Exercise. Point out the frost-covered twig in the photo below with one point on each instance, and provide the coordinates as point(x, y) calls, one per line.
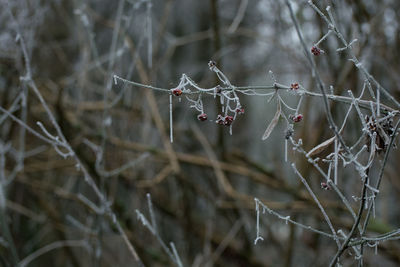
point(344, 245)
point(332, 27)
point(326, 217)
point(318, 79)
point(297, 146)
point(287, 219)
point(62, 141)
point(152, 227)
point(380, 175)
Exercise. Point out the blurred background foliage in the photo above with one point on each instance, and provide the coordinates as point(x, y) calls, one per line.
point(203, 184)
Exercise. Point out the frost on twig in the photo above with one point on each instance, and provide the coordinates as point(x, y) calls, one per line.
point(262, 208)
point(152, 227)
point(229, 99)
point(377, 133)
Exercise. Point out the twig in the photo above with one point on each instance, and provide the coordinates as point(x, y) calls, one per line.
point(344, 246)
point(286, 219)
point(52, 246)
point(64, 143)
point(328, 221)
point(318, 79)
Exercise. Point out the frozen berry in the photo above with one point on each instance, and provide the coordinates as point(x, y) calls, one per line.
point(177, 92)
point(297, 118)
point(240, 110)
point(202, 117)
point(294, 86)
point(228, 120)
point(316, 51)
point(325, 186)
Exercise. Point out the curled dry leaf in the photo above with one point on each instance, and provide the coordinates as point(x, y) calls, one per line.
point(273, 123)
point(321, 147)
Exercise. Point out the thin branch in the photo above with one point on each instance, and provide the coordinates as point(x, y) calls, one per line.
point(53, 246)
point(344, 246)
point(328, 221)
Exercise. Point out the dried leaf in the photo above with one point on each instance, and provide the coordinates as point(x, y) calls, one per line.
point(321, 147)
point(273, 123)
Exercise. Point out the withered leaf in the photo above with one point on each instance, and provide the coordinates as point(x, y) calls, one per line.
point(321, 147)
point(273, 123)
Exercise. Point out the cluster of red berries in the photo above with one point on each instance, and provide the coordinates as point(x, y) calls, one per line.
point(224, 120)
point(294, 86)
point(296, 118)
point(221, 120)
point(316, 51)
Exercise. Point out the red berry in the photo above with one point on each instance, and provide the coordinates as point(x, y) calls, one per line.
point(325, 186)
point(228, 120)
point(240, 110)
point(316, 51)
point(202, 117)
point(297, 118)
point(177, 92)
point(294, 86)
